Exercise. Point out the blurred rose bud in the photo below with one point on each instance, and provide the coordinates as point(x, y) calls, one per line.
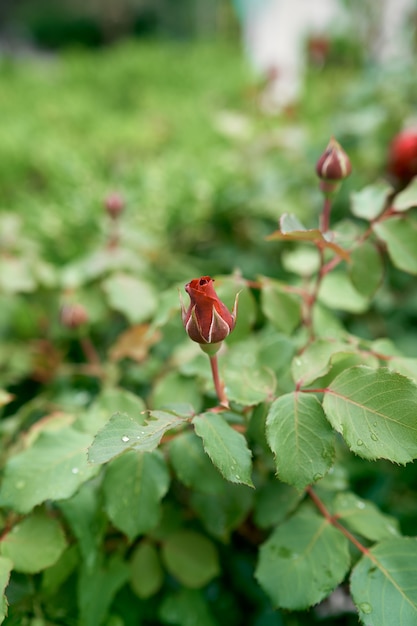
point(402, 156)
point(207, 320)
point(114, 204)
point(73, 315)
point(334, 164)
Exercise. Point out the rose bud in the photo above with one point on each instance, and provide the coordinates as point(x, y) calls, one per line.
point(402, 157)
point(73, 315)
point(334, 164)
point(207, 320)
point(114, 204)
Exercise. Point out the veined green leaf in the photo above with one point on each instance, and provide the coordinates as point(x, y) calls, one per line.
point(375, 411)
point(400, 236)
point(363, 517)
point(226, 447)
point(300, 438)
point(133, 487)
point(124, 433)
point(52, 468)
point(303, 560)
point(383, 583)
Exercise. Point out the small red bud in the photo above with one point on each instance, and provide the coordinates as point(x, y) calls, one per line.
point(114, 204)
point(402, 156)
point(334, 164)
point(73, 315)
point(207, 320)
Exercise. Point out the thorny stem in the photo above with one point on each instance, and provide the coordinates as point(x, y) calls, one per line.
point(218, 384)
point(332, 519)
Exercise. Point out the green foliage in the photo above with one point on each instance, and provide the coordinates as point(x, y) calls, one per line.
point(136, 487)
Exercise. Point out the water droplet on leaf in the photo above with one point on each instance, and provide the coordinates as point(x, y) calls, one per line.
point(20, 484)
point(75, 470)
point(374, 437)
point(317, 477)
point(365, 607)
point(359, 442)
point(125, 438)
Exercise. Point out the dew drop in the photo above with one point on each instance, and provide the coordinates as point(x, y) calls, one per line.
point(375, 424)
point(20, 484)
point(317, 477)
point(360, 505)
point(75, 470)
point(374, 437)
point(366, 608)
point(125, 438)
point(359, 442)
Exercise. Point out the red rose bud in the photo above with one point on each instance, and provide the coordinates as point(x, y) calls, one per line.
point(334, 164)
point(402, 156)
point(73, 315)
point(207, 320)
point(114, 204)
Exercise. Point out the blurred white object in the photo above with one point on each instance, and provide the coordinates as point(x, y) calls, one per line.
point(275, 32)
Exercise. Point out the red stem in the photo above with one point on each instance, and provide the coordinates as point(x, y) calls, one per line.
point(332, 519)
point(218, 384)
point(325, 216)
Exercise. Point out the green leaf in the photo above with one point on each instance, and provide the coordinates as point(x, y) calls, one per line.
point(337, 292)
point(34, 544)
point(133, 297)
point(383, 583)
point(374, 410)
point(146, 573)
point(53, 468)
point(186, 607)
point(366, 268)
point(192, 465)
point(84, 515)
point(6, 566)
point(291, 229)
point(225, 510)
point(124, 433)
point(364, 518)
point(315, 360)
point(133, 487)
point(97, 587)
point(172, 390)
point(407, 198)
point(407, 366)
point(247, 385)
point(226, 447)
point(302, 561)
point(400, 236)
point(282, 309)
point(110, 401)
point(273, 502)
point(370, 201)
point(300, 438)
point(191, 558)
point(55, 576)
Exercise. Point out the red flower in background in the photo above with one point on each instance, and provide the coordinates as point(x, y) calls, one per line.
point(207, 319)
point(402, 156)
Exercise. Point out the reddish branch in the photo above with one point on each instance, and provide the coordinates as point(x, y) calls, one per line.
point(332, 519)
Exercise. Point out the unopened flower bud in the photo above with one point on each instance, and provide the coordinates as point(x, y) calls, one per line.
point(334, 164)
point(402, 156)
point(73, 315)
point(114, 204)
point(207, 320)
